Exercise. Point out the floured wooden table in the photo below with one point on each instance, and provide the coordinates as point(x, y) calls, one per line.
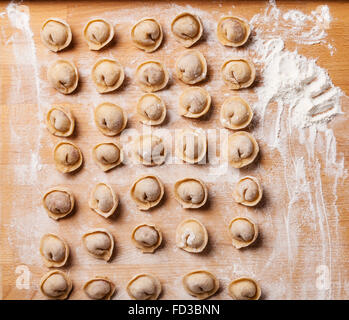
point(302, 251)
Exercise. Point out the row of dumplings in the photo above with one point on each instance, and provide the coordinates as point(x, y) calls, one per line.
point(147, 193)
point(151, 76)
point(146, 34)
point(200, 284)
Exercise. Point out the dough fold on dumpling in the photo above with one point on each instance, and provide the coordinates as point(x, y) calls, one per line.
point(248, 191)
point(233, 31)
point(149, 150)
point(147, 34)
point(151, 109)
point(244, 289)
point(67, 157)
point(235, 113)
point(194, 102)
point(98, 33)
point(144, 287)
point(55, 34)
point(63, 76)
point(187, 28)
point(56, 285)
point(107, 155)
point(191, 236)
point(103, 200)
point(200, 284)
point(99, 288)
point(99, 243)
point(238, 73)
point(60, 121)
point(54, 250)
point(191, 67)
point(243, 232)
point(110, 119)
point(58, 202)
point(151, 76)
point(191, 146)
point(146, 237)
point(190, 193)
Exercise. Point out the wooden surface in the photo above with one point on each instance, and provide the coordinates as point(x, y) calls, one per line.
point(292, 248)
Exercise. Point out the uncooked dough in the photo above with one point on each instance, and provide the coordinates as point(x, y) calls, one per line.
point(56, 285)
point(55, 34)
point(107, 155)
point(149, 150)
point(151, 109)
point(248, 191)
point(54, 250)
point(147, 34)
point(243, 232)
point(103, 200)
point(63, 76)
point(191, 236)
point(200, 284)
point(190, 193)
point(99, 243)
point(194, 102)
point(107, 75)
point(191, 67)
point(235, 113)
point(99, 288)
point(110, 119)
point(242, 149)
point(144, 287)
point(67, 157)
point(98, 33)
point(146, 237)
point(58, 202)
point(60, 121)
point(233, 31)
point(147, 192)
point(151, 76)
point(244, 289)
point(187, 28)
point(238, 73)
point(191, 146)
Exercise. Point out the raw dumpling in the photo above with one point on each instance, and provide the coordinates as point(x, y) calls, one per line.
point(107, 74)
point(146, 237)
point(60, 122)
point(55, 34)
point(150, 150)
point(144, 287)
point(147, 34)
point(187, 29)
point(243, 232)
point(151, 76)
point(233, 31)
point(248, 191)
point(201, 284)
point(67, 157)
point(190, 193)
point(242, 149)
point(191, 146)
point(54, 250)
point(98, 33)
point(244, 289)
point(238, 73)
point(103, 200)
point(151, 109)
point(99, 288)
point(99, 243)
point(147, 192)
point(56, 285)
point(194, 102)
point(191, 236)
point(191, 67)
point(63, 76)
point(235, 113)
point(107, 155)
point(110, 119)
point(58, 202)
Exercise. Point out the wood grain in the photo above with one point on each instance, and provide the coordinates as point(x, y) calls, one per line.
point(23, 135)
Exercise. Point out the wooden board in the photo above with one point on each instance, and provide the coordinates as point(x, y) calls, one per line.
point(296, 248)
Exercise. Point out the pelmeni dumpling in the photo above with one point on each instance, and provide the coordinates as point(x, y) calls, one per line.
point(107, 155)
point(146, 237)
point(147, 34)
point(190, 193)
point(144, 287)
point(238, 73)
point(233, 31)
point(63, 76)
point(99, 288)
point(99, 243)
point(107, 75)
point(243, 232)
point(98, 33)
point(149, 150)
point(187, 28)
point(67, 157)
point(110, 119)
point(151, 109)
point(58, 202)
point(244, 289)
point(151, 76)
point(191, 67)
point(235, 113)
point(60, 121)
point(191, 146)
point(55, 34)
point(103, 200)
point(147, 192)
point(191, 236)
point(54, 250)
point(56, 285)
point(200, 284)
point(248, 191)
point(242, 149)
point(194, 102)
